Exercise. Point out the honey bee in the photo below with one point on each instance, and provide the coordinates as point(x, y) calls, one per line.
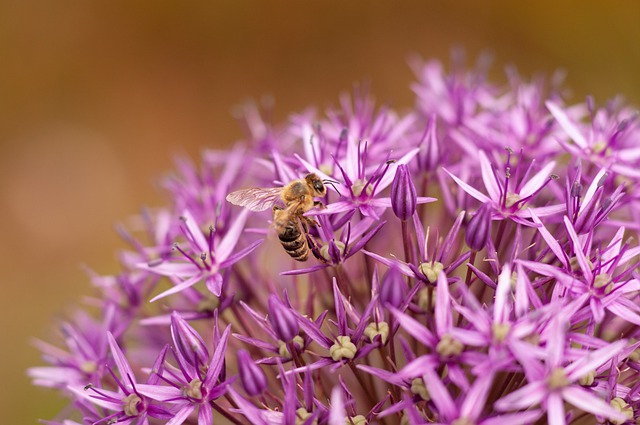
point(291, 225)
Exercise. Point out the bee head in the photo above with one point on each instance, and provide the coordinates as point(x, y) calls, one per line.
point(316, 184)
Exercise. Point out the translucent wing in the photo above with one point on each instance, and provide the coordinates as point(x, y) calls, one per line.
point(255, 198)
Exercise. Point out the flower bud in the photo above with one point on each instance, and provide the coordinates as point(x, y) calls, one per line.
point(282, 319)
point(403, 194)
point(393, 288)
point(188, 342)
point(252, 377)
point(479, 228)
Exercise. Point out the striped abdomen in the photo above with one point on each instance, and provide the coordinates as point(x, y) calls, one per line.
point(294, 242)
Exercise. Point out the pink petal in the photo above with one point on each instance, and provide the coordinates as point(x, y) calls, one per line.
point(182, 415)
point(179, 287)
point(577, 249)
point(232, 237)
point(501, 309)
point(566, 124)
point(594, 360)
point(550, 240)
point(488, 176)
point(523, 398)
point(555, 410)
point(537, 181)
point(442, 312)
point(470, 190)
point(193, 231)
point(586, 401)
point(121, 361)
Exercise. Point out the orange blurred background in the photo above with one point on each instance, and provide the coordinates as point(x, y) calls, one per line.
point(97, 97)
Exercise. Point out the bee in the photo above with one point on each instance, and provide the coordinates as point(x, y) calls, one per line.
point(290, 224)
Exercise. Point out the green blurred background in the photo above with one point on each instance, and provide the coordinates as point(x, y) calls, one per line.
point(96, 97)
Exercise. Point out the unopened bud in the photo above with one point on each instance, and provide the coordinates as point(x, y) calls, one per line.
point(393, 288)
point(403, 194)
point(282, 319)
point(479, 228)
point(188, 342)
point(252, 377)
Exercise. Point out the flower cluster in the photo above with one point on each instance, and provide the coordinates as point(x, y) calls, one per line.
point(474, 261)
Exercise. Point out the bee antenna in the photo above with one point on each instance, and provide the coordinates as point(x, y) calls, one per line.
point(331, 183)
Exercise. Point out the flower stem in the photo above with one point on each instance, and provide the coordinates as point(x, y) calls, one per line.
point(407, 242)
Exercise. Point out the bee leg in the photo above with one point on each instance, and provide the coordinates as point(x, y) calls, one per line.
point(315, 248)
point(310, 221)
point(319, 205)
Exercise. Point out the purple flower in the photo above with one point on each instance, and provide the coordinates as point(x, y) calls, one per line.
point(452, 279)
point(189, 388)
point(128, 405)
point(507, 195)
point(554, 384)
point(203, 258)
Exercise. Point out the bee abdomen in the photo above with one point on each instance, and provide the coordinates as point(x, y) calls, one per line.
point(290, 233)
point(294, 242)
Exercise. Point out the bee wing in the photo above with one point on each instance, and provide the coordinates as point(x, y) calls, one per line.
point(255, 198)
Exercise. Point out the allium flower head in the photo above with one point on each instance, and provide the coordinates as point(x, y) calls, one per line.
point(461, 269)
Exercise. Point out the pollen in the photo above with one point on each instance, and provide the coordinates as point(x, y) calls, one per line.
point(358, 187)
point(324, 250)
point(463, 421)
point(603, 281)
point(380, 328)
point(130, 404)
point(588, 379)
point(500, 331)
point(194, 389)
point(431, 270)
point(356, 420)
point(302, 415)
point(449, 347)
point(89, 367)
point(624, 408)
point(557, 379)
point(601, 147)
point(283, 350)
point(511, 199)
point(418, 388)
point(343, 349)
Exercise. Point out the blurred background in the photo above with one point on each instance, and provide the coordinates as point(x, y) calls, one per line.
point(97, 97)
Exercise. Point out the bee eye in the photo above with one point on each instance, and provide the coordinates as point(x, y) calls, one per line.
point(318, 186)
